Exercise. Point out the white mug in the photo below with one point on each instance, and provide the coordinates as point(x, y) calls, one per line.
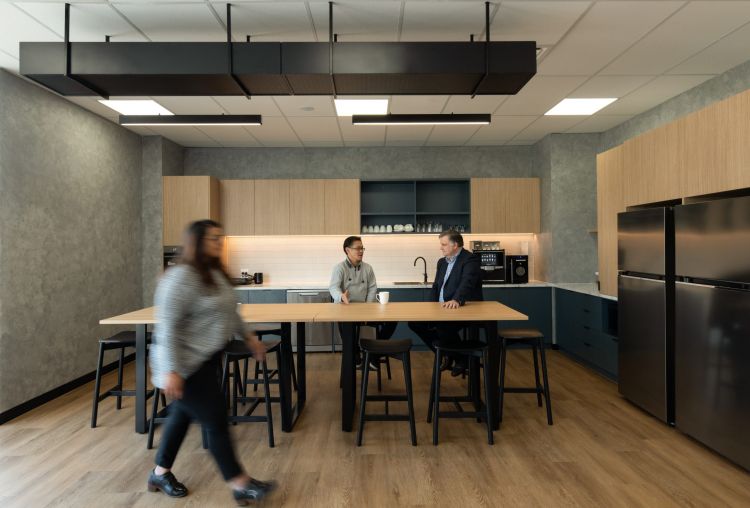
point(383, 297)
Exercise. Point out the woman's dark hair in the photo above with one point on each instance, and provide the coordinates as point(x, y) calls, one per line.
point(194, 255)
point(350, 241)
point(453, 236)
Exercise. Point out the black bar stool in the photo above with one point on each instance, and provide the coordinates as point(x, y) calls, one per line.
point(263, 330)
point(235, 352)
point(473, 351)
point(160, 416)
point(119, 341)
point(535, 339)
point(377, 361)
point(398, 349)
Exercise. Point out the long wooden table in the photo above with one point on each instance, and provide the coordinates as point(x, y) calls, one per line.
point(485, 314)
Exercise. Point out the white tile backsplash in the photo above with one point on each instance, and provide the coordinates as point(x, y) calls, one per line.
point(284, 259)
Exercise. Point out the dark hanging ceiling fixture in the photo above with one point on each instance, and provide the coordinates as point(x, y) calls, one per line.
point(273, 68)
point(174, 120)
point(440, 119)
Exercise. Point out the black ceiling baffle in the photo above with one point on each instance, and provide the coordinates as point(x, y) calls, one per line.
point(486, 48)
point(274, 68)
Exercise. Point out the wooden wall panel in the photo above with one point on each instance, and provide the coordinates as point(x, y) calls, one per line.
point(238, 207)
point(271, 207)
point(342, 207)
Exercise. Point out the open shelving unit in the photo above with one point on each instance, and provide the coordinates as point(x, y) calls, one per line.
point(416, 202)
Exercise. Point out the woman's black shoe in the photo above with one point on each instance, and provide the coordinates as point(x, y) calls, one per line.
point(255, 490)
point(167, 483)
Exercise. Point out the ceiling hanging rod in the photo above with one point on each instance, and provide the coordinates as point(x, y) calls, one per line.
point(330, 48)
point(94, 90)
point(230, 50)
point(486, 49)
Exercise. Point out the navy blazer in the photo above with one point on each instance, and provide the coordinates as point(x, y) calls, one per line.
point(464, 283)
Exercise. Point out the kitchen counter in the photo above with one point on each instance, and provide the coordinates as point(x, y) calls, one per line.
point(588, 288)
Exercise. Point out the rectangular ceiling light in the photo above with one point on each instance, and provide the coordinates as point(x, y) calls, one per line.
point(577, 107)
point(175, 120)
point(349, 107)
point(136, 107)
point(440, 119)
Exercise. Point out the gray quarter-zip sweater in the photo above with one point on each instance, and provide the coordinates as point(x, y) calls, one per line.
point(194, 322)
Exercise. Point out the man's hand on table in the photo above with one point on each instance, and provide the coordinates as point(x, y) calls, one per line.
point(345, 297)
point(451, 304)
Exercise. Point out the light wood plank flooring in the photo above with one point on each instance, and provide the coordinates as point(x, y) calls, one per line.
point(602, 451)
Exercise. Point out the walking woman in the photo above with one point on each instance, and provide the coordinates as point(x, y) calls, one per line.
point(196, 317)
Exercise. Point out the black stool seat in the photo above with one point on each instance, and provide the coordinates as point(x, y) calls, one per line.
point(398, 349)
point(385, 347)
point(534, 338)
point(239, 348)
point(473, 350)
point(119, 341)
point(520, 333)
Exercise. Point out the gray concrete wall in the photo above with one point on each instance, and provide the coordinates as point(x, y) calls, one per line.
point(70, 206)
point(725, 85)
point(160, 157)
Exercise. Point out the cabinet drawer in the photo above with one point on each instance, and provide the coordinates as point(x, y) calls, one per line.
point(608, 358)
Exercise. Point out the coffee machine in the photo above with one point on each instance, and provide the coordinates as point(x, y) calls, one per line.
point(491, 260)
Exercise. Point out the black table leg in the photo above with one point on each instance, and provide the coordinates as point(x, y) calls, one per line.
point(349, 377)
point(141, 424)
point(493, 364)
point(285, 378)
point(301, 367)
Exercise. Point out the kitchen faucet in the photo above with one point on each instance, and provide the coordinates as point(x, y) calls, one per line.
point(424, 281)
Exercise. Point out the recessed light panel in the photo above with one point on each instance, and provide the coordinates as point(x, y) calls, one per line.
point(137, 107)
point(349, 107)
point(579, 107)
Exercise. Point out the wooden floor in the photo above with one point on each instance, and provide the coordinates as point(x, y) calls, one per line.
point(601, 451)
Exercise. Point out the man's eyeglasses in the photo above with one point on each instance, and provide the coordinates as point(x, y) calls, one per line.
point(361, 249)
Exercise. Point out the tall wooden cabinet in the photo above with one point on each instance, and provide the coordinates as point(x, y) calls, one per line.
point(186, 199)
point(505, 205)
point(610, 202)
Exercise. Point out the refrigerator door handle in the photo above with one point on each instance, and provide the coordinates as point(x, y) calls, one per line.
point(683, 283)
point(642, 278)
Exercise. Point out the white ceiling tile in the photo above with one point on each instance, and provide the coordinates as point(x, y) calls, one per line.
point(544, 22)
point(298, 105)
point(451, 135)
point(269, 21)
point(358, 21)
point(548, 125)
point(190, 105)
point(407, 135)
point(442, 21)
point(358, 134)
point(653, 94)
point(500, 130)
point(185, 136)
point(606, 30)
point(479, 104)
point(19, 26)
point(312, 130)
point(93, 105)
point(89, 22)
point(721, 56)
point(231, 135)
point(599, 123)
point(539, 95)
point(275, 131)
point(181, 22)
point(686, 32)
point(8, 62)
point(257, 105)
point(609, 86)
point(417, 104)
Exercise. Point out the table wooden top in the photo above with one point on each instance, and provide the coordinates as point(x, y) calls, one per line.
point(356, 312)
point(417, 311)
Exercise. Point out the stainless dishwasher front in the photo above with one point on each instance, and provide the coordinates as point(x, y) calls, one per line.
point(318, 336)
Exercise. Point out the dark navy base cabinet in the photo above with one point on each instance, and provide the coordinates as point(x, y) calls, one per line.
point(535, 302)
point(587, 329)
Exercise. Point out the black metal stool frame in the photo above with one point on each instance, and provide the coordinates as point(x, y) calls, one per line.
point(536, 343)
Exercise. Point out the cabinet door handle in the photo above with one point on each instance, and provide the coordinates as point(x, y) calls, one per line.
point(587, 344)
point(615, 340)
point(586, 311)
point(586, 327)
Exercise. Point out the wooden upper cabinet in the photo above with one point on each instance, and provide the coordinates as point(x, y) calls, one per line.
point(186, 199)
point(505, 205)
point(271, 207)
point(306, 207)
point(342, 207)
point(238, 207)
point(610, 201)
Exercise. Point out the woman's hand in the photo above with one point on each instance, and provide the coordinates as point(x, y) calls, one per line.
point(257, 347)
point(173, 385)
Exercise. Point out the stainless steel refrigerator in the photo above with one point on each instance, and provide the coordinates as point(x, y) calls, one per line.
point(712, 341)
point(645, 258)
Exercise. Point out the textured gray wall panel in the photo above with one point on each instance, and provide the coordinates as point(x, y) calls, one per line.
point(70, 223)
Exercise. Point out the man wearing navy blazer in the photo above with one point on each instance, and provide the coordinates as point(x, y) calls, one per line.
point(458, 280)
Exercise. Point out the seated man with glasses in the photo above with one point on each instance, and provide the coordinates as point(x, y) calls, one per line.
point(353, 280)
